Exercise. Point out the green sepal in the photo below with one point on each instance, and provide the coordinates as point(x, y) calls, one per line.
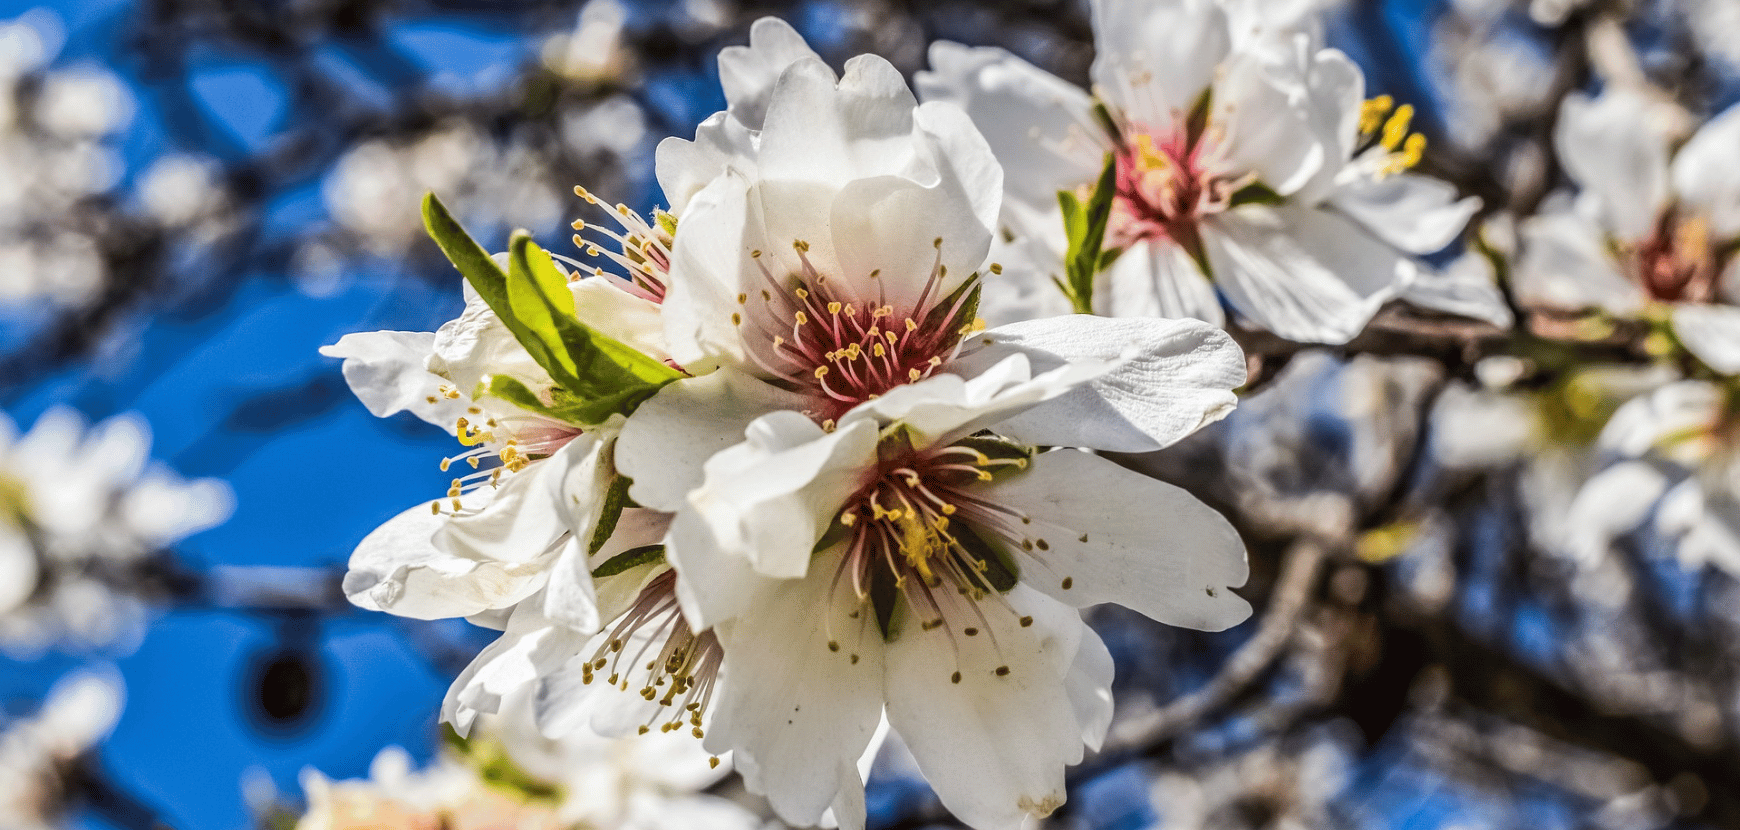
point(615, 499)
point(511, 390)
point(629, 559)
point(1255, 193)
point(1000, 570)
point(884, 596)
point(968, 297)
point(1084, 224)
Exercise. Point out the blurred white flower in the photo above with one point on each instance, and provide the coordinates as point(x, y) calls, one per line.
point(1653, 229)
point(78, 509)
point(593, 51)
point(1250, 175)
point(37, 753)
point(1676, 464)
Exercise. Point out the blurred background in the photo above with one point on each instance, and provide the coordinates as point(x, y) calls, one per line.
point(197, 194)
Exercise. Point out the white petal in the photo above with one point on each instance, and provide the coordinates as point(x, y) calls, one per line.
point(711, 265)
point(684, 167)
point(1612, 503)
point(385, 369)
point(827, 131)
point(1336, 89)
point(477, 345)
point(601, 304)
point(888, 226)
point(637, 527)
point(1155, 59)
point(769, 499)
point(748, 73)
point(1306, 275)
point(1417, 214)
point(569, 596)
point(1268, 130)
point(1172, 377)
point(799, 712)
point(1712, 333)
point(665, 443)
point(1674, 410)
point(993, 746)
point(1467, 287)
point(723, 584)
point(18, 569)
point(1089, 685)
point(1158, 278)
point(397, 569)
point(946, 405)
point(1565, 265)
point(1035, 122)
point(526, 516)
point(1705, 176)
point(530, 648)
point(1615, 146)
point(1149, 546)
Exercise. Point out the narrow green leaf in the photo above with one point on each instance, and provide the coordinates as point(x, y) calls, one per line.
point(615, 498)
point(1085, 228)
point(473, 262)
point(631, 558)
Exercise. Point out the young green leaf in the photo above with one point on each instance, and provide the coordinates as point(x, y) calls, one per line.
point(1085, 225)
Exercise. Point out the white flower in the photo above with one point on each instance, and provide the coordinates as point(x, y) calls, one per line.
point(524, 513)
point(37, 754)
point(1652, 228)
point(79, 510)
point(802, 547)
point(1253, 176)
point(1677, 452)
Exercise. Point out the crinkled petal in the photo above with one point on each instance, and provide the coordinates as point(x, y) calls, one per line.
point(1089, 684)
point(711, 265)
point(829, 131)
point(528, 513)
point(797, 710)
point(1267, 129)
point(530, 648)
point(398, 569)
point(946, 405)
point(1306, 275)
point(685, 167)
point(1105, 534)
point(1712, 333)
point(1172, 377)
point(993, 745)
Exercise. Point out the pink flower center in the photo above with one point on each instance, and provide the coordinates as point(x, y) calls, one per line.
point(830, 342)
point(1679, 262)
point(1167, 183)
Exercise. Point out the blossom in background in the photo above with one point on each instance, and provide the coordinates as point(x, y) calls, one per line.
point(1653, 230)
point(80, 513)
point(38, 754)
point(509, 775)
point(1674, 462)
point(1243, 173)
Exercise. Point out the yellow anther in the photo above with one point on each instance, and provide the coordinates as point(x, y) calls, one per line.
point(821, 372)
point(1372, 112)
point(742, 298)
point(1396, 129)
point(937, 243)
point(435, 508)
point(801, 318)
point(912, 375)
point(430, 398)
point(834, 308)
point(578, 224)
point(803, 293)
point(847, 518)
point(445, 463)
point(878, 351)
point(997, 268)
point(800, 246)
point(736, 319)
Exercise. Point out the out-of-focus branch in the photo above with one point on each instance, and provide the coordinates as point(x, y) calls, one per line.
point(1292, 595)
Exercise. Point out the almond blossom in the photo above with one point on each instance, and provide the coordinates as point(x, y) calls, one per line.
point(1654, 229)
point(1244, 174)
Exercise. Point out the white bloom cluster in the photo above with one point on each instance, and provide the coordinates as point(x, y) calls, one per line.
point(37, 753)
point(78, 511)
point(54, 154)
point(765, 475)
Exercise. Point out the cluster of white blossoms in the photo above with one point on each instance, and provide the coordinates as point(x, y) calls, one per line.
point(755, 470)
point(80, 510)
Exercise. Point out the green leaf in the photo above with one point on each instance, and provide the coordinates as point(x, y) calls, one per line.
point(473, 262)
point(999, 569)
point(615, 498)
point(1085, 225)
point(628, 559)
